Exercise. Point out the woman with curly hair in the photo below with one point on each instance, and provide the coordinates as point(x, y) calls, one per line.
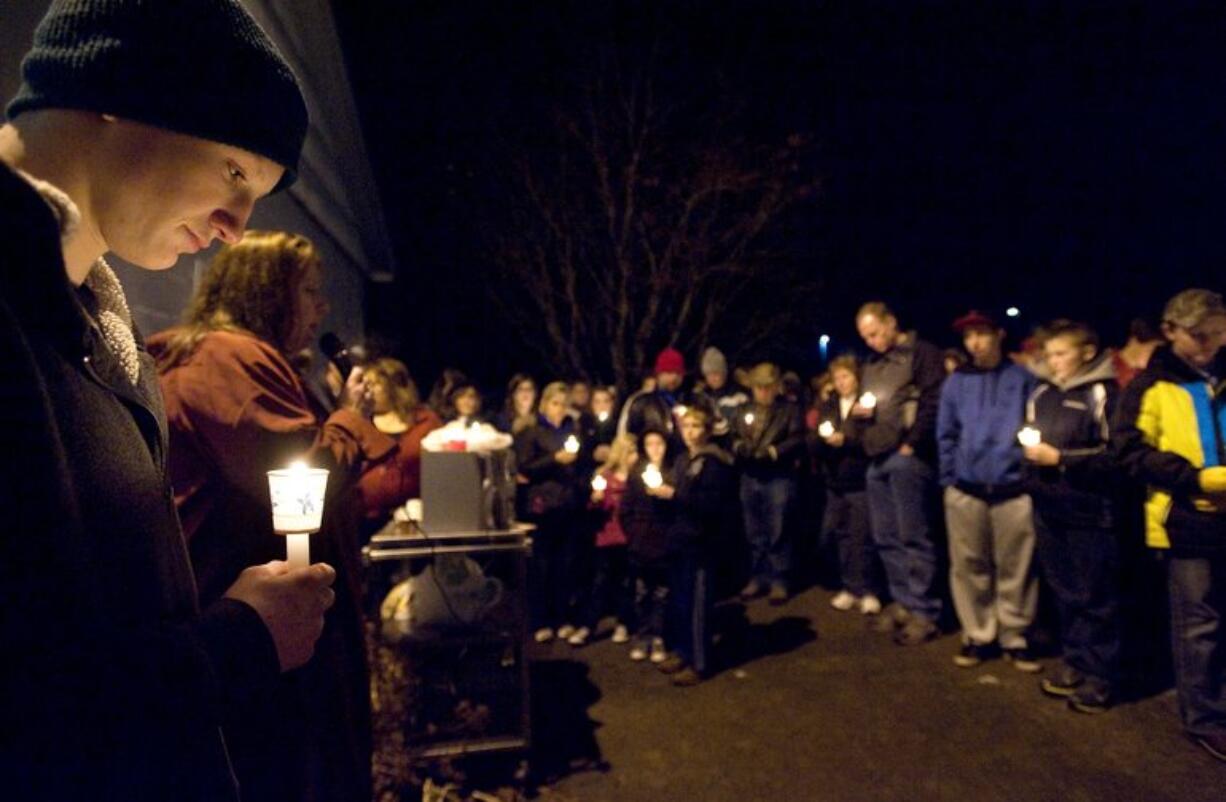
point(236, 409)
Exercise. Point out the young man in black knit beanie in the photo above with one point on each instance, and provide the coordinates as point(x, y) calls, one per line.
point(147, 129)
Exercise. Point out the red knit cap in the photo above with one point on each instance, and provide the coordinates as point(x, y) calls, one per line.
point(670, 360)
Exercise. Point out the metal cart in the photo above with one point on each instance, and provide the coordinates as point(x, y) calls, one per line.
point(456, 684)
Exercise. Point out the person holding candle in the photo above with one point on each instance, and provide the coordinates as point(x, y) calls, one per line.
point(699, 487)
point(988, 513)
point(768, 442)
point(902, 380)
point(646, 520)
point(611, 589)
point(116, 679)
point(399, 413)
point(604, 413)
point(1167, 434)
point(658, 407)
point(465, 405)
point(553, 500)
point(845, 518)
point(236, 410)
point(1071, 479)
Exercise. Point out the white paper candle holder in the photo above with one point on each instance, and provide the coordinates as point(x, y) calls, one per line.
point(297, 495)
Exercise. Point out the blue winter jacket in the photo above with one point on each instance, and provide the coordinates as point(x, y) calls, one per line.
point(977, 424)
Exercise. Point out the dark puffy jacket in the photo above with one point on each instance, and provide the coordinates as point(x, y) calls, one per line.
point(552, 487)
point(844, 467)
point(704, 486)
point(646, 521)
point(1075, 418)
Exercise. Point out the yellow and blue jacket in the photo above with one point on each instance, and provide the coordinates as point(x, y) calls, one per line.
point(1169, 425)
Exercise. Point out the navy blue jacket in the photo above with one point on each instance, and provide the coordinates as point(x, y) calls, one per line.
point(978, 419)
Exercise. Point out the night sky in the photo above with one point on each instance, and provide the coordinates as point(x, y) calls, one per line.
point(1066, 158)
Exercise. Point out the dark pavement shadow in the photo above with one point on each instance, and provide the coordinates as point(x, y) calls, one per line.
point(563, 734)
point(741, 642)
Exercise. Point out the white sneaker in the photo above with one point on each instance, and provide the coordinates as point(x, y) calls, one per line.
point(870, 604)
point(658, 652)
point(621, 634)
point(565, 631)
point(843, 601)
point(543, 635)
point(638, 652)
point(579, 636)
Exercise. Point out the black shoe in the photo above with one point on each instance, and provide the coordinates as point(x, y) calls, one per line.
point(671, 664)
point(778, 595)
point(687, 678)
point(1064, 684)
point(972, 654)
point(915, 631)
point(752, 590)
point(1214, 744)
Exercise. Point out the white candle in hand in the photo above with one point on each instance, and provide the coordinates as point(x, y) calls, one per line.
point(1029, 436)
point(652, 477)
point(297, 495)
point(602, 416)
point(599, 483)
point(826, 429)
point(749, 419)
point(868, 401)
point(571, 446)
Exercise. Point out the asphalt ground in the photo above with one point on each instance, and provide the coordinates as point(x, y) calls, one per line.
point(808, 704)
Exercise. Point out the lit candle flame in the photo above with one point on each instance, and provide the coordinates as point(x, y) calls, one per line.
point(826, 429)
point(868, 401)
point(652, 477)
point(749, 419)
point(1029, 436)
point(599, 483)
point(602, 416)
point(571, 445)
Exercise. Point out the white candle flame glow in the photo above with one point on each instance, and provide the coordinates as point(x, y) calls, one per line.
point(868, 401)
point(571, 445)
point(602, 416)
point(1029, 436)
point(599, 483)
point(749, 419)
point(826, 429)
point(652, 477)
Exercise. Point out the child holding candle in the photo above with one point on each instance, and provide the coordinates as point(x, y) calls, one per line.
point(699, 489)
point(645, 520)
point(844, 465)
point(611, 588)
point(1070, 479)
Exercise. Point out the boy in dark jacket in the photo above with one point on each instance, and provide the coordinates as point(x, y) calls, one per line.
point(768, 442)
point(1069, 476)
point(699, 488)
point(1168, 433)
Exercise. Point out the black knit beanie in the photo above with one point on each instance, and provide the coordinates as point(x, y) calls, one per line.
point(198, 67)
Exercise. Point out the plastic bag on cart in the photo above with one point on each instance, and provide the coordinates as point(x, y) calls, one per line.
point(450, 593)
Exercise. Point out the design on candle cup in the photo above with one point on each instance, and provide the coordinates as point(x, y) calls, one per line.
point(826, 428)
point(599, 483)
point(652, 477)
point(1029, 436)
point(297, 496)
point(571, 446)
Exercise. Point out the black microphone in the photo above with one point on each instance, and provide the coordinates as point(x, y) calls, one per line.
point(337, 353)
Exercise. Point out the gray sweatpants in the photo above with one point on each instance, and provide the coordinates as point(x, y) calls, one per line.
point(991, 576)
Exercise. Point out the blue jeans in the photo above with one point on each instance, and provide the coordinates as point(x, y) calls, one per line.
point(845, 521)
point(765, 504)
point(1198, 592)
point(900, 489)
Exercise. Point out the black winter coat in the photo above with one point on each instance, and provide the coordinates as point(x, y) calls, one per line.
point(704, 489)
point(113, 680)
point(843, 467)
point(768, 442)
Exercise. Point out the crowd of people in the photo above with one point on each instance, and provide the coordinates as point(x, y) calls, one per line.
point(159, 648)
point(935, 487)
